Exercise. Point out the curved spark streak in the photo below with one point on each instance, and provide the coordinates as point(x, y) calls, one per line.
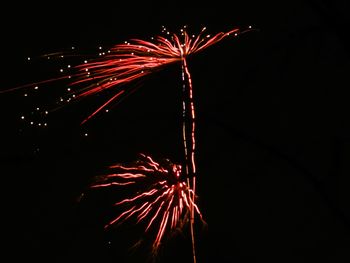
point(126, 175)
point(149, 193)
point(112, 183)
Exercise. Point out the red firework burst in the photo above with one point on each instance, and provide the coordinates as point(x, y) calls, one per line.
point(126, 62)
point(162, 201)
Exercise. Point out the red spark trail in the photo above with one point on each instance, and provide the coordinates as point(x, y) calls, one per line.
point(103, 105)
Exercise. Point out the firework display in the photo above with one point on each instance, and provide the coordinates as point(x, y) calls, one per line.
point(165, 198)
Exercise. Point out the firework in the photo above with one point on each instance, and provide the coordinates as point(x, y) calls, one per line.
point(162, 200)
point(169, 194)
point(127, 62)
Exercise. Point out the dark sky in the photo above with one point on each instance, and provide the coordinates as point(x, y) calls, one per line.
point(272, 120)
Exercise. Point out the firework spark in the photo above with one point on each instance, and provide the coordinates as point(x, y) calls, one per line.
point(162, 202)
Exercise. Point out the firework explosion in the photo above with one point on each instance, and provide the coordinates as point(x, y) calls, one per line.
point(163, 199)
point(169, 195)
point(126, 62)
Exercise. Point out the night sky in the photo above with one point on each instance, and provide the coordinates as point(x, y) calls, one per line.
point(273, 132)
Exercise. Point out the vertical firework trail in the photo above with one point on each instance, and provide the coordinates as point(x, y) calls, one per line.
point(127, 62)
point(189, 142)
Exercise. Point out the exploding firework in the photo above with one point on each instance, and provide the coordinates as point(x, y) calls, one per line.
point(126, 62)
point(170, 194)
point(162, 199)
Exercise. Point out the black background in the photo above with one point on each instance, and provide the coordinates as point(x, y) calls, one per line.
point(272, 121)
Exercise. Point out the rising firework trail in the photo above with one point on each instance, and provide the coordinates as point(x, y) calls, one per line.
point(135, 59)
